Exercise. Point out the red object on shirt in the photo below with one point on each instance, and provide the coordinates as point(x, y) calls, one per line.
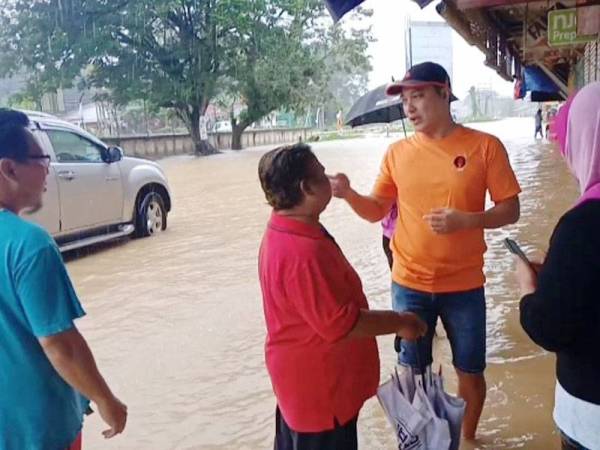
point(76, 445)
point(312, 297)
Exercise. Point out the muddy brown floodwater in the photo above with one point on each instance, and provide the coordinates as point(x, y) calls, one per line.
point(176, 321)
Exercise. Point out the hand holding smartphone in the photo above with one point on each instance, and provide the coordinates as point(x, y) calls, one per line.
point(514, 248)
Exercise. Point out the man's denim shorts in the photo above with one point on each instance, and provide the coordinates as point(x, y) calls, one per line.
point(463, 316)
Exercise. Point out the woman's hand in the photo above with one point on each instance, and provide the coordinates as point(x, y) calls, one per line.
point(527, 276)
point(412, 327)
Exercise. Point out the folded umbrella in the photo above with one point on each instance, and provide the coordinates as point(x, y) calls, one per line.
point(422, 414)
point(447, 407)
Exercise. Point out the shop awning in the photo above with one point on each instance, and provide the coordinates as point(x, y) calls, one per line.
point(542, 88)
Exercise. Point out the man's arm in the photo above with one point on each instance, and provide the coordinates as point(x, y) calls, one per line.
point(448, 220)
point(70, 355)
point(502, 213)
point(370, 207)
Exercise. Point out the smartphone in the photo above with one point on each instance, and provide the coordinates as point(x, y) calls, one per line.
point(514, 248)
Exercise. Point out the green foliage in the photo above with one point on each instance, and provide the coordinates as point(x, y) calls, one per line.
point(182, 54)
point(23, 101)
point(292, 59)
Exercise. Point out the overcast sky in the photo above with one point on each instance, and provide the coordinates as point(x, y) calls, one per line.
point(387, 53)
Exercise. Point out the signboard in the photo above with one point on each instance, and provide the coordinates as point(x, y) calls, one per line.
point(472, 4)
point(562, 29)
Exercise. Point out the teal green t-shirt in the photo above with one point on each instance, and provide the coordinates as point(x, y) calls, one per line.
point(38, 409)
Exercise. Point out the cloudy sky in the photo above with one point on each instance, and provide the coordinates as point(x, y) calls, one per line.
point(388, 21)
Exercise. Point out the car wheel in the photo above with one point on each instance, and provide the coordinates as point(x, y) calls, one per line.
point(151, 215)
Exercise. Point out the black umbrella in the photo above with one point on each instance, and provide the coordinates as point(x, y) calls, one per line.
point(338, 8)
point(375, 107)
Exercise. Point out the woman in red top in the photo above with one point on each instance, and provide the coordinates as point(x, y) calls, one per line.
point(320, 350)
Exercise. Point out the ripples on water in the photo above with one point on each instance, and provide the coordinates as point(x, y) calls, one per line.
point(176, 322)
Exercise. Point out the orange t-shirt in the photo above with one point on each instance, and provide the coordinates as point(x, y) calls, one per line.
point(455, 172)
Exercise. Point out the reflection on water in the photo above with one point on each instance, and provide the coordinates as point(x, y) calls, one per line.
point(176, 321)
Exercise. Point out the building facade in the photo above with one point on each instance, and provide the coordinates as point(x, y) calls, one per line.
point(429, 41)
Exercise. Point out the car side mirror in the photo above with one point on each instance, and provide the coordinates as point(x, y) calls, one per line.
point(114, 154)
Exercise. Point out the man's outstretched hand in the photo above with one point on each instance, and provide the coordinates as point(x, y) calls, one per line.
point(340, 185)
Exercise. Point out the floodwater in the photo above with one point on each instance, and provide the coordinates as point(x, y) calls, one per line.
point(176, 322)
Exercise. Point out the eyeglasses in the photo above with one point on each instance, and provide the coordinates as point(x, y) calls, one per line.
point(42, 160)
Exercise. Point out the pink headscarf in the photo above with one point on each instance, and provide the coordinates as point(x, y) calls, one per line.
point(558, 125)
point(577, 129)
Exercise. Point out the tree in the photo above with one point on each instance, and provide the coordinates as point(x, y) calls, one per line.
point(177, 54)
point(349, 66)
point(164, 51)
point(285, 55)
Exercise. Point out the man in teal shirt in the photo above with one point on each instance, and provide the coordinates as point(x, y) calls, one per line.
point(47, 371)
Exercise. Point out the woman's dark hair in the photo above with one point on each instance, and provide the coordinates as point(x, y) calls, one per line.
point(14, 143)
point(281, 171)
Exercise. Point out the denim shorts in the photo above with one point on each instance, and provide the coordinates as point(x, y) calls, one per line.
point(463, 316)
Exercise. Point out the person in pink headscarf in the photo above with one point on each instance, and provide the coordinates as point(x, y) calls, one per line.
point(560, 305)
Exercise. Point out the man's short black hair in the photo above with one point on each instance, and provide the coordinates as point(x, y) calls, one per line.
point(14, 143)
point(281, 171)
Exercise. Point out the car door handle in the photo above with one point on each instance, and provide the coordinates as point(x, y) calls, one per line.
point(113, 178)
point(66, 175)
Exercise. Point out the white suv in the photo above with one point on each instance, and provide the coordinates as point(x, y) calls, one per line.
point(94, 193)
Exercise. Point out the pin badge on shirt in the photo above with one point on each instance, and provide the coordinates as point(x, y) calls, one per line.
point(460, 162)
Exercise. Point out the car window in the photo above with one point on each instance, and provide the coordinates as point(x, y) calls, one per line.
point(70, 147)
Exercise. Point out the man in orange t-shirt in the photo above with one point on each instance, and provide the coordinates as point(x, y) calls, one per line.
point(439, 178)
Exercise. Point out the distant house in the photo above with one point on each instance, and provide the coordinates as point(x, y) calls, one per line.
point(64, 101)
point(85, 116)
